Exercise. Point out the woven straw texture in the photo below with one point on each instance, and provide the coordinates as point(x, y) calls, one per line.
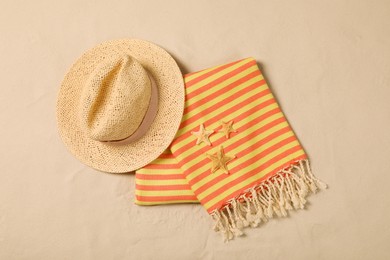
point(115, 99)
point(119, 158)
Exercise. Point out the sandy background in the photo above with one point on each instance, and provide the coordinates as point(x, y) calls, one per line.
point(327, 62)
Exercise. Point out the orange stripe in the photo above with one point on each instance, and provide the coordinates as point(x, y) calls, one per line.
point(207, 111)
point(242, 166)
point(242, 153)
point(240, 191)
point(236, 120)
point(159, 177)
point(162, 166)
point(166, 156)
point(165, 198)
point(208, 74)
point(229, 99)
point(234, 145)
point(206, 173)
point(221, 91)
point(241, 129)
point(163, 187)
point(251, 173)
point(221, 79)
point(226, 112)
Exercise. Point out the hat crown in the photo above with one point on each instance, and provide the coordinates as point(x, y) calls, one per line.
point(115, 99)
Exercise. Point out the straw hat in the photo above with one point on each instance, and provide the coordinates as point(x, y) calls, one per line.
point(120, 105)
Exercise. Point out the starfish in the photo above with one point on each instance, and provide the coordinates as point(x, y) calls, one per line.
point(203, 135)
point(227, 128)
point(219, 161)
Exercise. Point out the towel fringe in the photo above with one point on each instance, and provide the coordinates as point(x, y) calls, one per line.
point(275, 196)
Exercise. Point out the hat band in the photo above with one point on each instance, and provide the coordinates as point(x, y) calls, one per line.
point(148, 119)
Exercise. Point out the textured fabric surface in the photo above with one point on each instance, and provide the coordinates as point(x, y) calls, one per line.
point(162, 182)
point(263, 142)
point(237, 151)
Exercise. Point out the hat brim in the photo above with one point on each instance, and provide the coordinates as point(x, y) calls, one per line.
point(117, 158)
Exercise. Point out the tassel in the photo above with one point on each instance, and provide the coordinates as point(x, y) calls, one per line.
point(277, 211)
point(300, 182)
point(278, 197)
point(282, 201)
point(252, 219)
point(240, 224)
point(283, 211)
point(293, 195)
point(320, 184)
point(286, 197)
point(236, 231)
point(288, 206)
point(249, 216)
point(217, 221)
point(262, 209)
point(275, 196)
point(227, 234)
point(243, 218)
point(259, 210)
point(261, 200)
point(269, 212)
point(313, 186)
point(297, 184)
point(240, 220)
point(216, 227)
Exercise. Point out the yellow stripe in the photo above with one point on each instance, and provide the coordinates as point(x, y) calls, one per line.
point(237, 162)
point(236, 139)
point(163, 192)
point(225, 83)
point(161, 182)
point(238, 136)
point(242, 159)
point(233, 189)
point(149, 203)
point(235, 151)
point(246, 157)
point(214, 76)
point(250, 167)
point(144, 171)
point(225, 107)
point(164, 161)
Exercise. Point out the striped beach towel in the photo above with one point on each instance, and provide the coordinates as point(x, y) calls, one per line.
point(235, 153)
point(162, 182)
